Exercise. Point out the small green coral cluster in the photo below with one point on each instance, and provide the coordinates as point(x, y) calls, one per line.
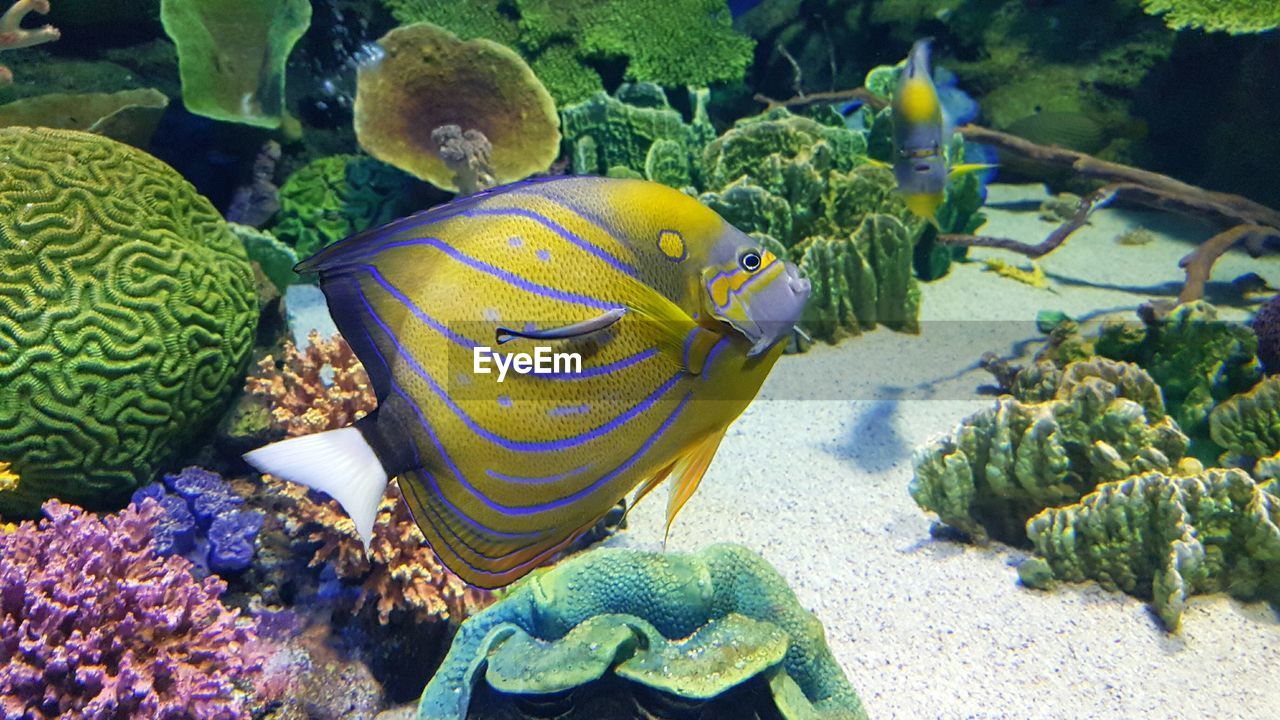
point(1233, 16)
point(1060, 435)
point(1165, 537)
point(694, 628)
point(127, 313)
point(680, 42)
point(336, 196)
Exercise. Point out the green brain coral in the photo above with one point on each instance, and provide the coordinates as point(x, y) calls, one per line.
point(1233, 16)
point(1164, 538)
point(669, 42)
point(127, 313)
point(691, 628)
point(1064, 432)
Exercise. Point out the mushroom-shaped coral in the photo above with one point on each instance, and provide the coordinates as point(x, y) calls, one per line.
point(427, 79)
point(95, 624)
point(677, 629)
point(14, 36)
point(127, 312)
point(231, 55)
point(130, 116)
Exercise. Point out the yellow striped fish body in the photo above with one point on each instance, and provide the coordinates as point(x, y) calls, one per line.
point(681, 317)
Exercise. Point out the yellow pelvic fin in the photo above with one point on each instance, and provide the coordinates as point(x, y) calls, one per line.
point(648, 487)
point(962, 168)
point(879, 163)
point(689, 470)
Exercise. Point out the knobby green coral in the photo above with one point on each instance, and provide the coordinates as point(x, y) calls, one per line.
point(1249, 423)
point(695, 627)
point(232, 55)
point(1104, 421)
point(336, 196)
point(1197, 359)
point(1233, 16)
point(1165, 538)
point(127, 312)
point(637, 130)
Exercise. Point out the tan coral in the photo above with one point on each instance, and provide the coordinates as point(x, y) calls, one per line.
point(14, 36)
point(301, 400)
point(400, 573)
point(428, 79)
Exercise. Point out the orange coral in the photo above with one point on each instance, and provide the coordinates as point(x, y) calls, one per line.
point(302, 400)
point(401, 572)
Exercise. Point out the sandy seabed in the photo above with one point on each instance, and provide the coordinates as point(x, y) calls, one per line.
point(814, 476)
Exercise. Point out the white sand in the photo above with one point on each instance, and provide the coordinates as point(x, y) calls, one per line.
point(814, 476)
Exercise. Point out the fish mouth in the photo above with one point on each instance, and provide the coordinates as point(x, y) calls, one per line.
point(770, 330)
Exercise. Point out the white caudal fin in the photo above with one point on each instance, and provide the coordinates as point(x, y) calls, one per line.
point(336, 462)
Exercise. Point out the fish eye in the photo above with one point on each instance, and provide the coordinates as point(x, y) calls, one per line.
point(749, 260)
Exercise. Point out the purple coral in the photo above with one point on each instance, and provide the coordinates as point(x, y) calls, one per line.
point(203, 521)
point(94, 623)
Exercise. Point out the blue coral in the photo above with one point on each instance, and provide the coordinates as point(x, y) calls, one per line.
point(203, 521)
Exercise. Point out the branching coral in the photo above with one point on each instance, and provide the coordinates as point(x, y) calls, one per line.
point(1166, 538)
point(95, 624)
point(321, 388)
point(400, 573)
point(1102, 421)
point(14, 36)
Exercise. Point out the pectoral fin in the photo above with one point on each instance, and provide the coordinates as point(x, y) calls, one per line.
point(578, 329)
point(689, 470)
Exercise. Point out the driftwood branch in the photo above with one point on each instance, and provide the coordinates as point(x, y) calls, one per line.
point(1244, 221)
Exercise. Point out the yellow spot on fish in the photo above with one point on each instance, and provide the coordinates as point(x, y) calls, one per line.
point(919, 102)
point(8, 478)
point(671, 243)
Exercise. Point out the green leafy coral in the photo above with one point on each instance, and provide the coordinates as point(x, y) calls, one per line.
point(1164, 538)
point(1063, 433)
point(1197, 359)
point(1248, 424)
point(806, 186)
point(669, 42)
point(1232, 16)
point(692, 627)
point(636, 131)
point(232, 55)
point(336, 196)
point(127, 313)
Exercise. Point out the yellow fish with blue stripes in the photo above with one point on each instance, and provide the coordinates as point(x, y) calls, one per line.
point(675, 316)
